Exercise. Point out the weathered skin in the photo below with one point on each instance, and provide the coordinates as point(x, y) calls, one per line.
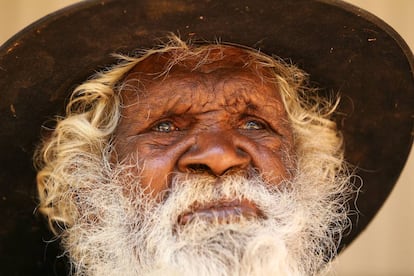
point(217, 118)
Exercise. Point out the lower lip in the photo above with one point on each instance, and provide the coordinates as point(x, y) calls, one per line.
point(222, 215)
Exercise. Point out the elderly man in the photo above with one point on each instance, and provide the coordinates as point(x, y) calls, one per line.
point(210, 160)
point(202, 157)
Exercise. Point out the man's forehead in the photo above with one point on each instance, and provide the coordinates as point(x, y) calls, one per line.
point(222, 70)
point(222, 89)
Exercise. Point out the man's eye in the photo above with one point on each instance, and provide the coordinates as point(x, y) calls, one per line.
point(253, 125)
point(165, 126)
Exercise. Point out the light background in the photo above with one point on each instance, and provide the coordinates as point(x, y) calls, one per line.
point(386, 248)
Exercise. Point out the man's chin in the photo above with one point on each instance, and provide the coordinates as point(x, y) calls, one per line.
point(239, 247)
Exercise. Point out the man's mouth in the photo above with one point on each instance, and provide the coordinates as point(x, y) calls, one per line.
point(224, 212)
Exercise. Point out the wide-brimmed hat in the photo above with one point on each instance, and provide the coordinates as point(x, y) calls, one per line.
point(344, 49)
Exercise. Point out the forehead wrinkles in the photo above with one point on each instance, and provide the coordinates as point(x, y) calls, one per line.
point(193, 92)
point(208, 92)
point(238, 94)
point(230, 89)
point(176, 94)
point(250, 92)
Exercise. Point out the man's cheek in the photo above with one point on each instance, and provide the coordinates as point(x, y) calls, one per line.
point(152, 171)
point(148, 145)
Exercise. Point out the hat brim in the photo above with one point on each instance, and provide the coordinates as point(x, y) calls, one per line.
point(343, 48)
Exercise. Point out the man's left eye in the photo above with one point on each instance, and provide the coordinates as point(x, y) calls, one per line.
point(253, 125)
point(165, 126)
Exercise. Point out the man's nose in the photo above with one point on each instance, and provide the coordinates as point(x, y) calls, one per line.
point(216, 153)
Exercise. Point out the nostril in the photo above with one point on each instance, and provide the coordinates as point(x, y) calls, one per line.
point(199, 168)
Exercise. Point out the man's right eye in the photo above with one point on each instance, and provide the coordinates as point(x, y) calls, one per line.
point(164, 126)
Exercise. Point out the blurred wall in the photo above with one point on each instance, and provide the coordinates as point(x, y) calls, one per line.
point(386, 248)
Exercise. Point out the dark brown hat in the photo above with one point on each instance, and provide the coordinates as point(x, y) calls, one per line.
point(343, 48)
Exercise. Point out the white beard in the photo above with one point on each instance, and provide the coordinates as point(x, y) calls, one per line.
point(134, 235)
